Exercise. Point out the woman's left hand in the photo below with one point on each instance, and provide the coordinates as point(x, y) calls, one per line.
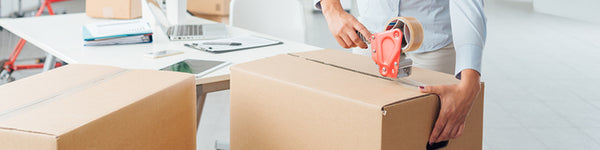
point(456, 101)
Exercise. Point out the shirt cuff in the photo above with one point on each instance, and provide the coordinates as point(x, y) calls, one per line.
point(317, 4)
point(468, 57)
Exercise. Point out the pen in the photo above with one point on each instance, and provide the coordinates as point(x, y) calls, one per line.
point(195, 45)
point(223, 43)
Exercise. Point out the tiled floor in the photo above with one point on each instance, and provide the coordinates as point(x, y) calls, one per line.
point(541, 75)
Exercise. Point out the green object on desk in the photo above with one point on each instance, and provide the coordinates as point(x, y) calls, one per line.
point(181, 67)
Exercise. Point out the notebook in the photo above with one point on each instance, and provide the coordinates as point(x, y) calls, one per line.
point(117, 32)
point(247, 42)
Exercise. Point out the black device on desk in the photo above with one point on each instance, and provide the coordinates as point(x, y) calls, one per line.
point(196, 66)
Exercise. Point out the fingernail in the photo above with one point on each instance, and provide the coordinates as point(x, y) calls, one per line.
point(421, 87)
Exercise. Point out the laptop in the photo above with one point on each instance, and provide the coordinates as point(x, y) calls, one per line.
point(187, 31)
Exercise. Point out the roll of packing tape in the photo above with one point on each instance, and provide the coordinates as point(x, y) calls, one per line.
point(412, 30)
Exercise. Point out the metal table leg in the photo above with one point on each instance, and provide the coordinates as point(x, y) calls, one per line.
point(222, 145)
point(203, 87)
point(200, 99)
point(206, 86)
point(49, 63)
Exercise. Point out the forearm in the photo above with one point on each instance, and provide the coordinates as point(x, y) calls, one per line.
point(330, 6)
point(470, 83)
point(342, 25)
point(470, 76)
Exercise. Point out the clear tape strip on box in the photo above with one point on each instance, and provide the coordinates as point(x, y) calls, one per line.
point(22, 108)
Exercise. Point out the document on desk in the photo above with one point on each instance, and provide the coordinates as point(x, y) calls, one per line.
point(117, 32)
point(232, 44)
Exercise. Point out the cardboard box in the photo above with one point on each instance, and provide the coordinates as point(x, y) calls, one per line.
point(209, 7)
point(114, 9)
point(78, 107)
point(216, 18)
point(334, 100)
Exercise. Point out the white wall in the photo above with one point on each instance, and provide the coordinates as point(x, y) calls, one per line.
point(586, 10)
point(7, 7)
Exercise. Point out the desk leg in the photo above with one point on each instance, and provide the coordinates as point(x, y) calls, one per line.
point(49, 63)
point(204, 88)
point(200, 99)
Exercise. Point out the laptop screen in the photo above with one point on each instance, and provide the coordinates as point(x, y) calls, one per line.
point(158, 9)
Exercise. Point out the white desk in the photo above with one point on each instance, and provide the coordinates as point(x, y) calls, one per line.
point(60, 36)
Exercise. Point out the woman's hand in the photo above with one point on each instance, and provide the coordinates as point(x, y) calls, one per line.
point(456, 101)
point(343, 26)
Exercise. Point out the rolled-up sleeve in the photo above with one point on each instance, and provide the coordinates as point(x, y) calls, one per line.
point(317, 4)
point(469, 33)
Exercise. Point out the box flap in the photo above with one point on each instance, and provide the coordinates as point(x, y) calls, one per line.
point(14, 139)
point(38, 88)
point(92, 92)
point(366, 65)
point(370, 91)
point(25, 91)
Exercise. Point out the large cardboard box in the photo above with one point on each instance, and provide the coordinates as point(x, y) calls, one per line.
point(334, 100)
point(114, 9)
point(216, 18)
point(78, 107)
point(209, 7)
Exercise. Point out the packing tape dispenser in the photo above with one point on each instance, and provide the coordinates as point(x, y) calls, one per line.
point(402, 34)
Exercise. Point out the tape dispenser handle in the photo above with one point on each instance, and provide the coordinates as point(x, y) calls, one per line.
point(363, 38)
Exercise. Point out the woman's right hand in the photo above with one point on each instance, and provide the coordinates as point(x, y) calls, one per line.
point(343, 26)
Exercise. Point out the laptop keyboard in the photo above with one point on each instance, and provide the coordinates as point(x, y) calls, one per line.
point(185, 30)
point(188, 30)
point(196, 31)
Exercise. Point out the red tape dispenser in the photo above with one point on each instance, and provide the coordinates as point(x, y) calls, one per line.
point(403, 34)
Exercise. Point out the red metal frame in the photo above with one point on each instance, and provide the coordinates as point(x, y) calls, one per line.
point(386, 50)
point(10, 64)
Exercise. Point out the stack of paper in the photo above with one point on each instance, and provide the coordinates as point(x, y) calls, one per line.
point(117, 32)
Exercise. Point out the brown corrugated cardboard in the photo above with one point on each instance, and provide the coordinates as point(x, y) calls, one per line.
point(329, 99)
point(115, 9)
point(209, 7)
point(217, 18)
point(99, 107)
